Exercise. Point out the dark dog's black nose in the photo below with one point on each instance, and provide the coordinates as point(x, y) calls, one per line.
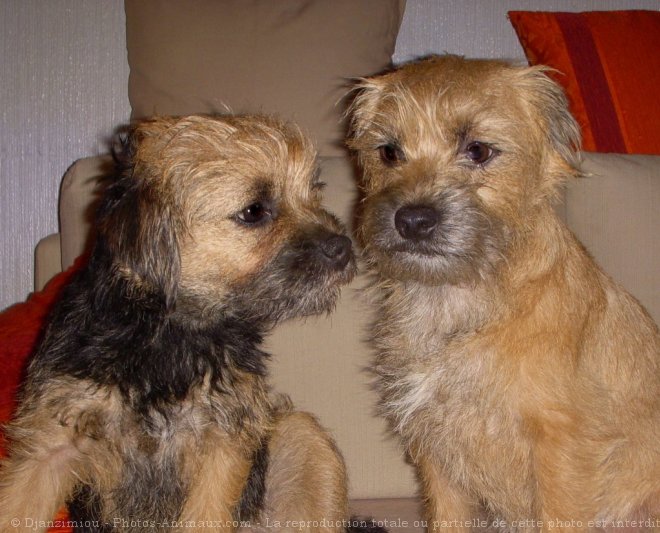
point(416, 222)
point(336, 249)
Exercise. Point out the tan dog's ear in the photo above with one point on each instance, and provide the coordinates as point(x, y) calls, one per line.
point(551, 104)
point(362, 109)
point(138, 226)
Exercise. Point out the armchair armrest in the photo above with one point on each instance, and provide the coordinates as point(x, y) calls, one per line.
point(47, 260)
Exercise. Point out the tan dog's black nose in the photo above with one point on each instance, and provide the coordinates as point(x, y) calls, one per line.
point(337, 249)
point(416, 222)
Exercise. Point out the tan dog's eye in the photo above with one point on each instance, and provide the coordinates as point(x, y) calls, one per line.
point(254, 214)
point(479, 153)
point(390, 154)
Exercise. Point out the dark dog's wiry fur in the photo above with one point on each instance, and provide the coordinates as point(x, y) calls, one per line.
point(146, 405)
point(524, 383)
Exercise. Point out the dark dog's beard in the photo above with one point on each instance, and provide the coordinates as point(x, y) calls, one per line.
point(464, 246)
point(297, 282)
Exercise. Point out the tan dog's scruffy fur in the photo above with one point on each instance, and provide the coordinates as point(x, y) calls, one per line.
point(146, 406)
point(523, 382)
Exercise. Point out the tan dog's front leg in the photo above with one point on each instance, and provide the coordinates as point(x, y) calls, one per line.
point(447, 507)
point(306, 480)
point(564, 498)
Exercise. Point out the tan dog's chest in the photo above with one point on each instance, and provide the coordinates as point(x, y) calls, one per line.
point(452, 405)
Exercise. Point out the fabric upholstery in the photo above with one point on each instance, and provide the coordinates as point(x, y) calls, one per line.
point(20, 329)
point(290, 57)
point(608, 63)
point(614, 211)
point(80, 189)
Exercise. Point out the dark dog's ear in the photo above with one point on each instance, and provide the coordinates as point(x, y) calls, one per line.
point(139, 226)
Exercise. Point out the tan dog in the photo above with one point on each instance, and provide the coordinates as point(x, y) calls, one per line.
point(524, 383)
point(146, 406)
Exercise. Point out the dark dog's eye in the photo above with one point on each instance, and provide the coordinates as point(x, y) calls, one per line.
point(390, 154)
point(254, 213)
point(479, 153)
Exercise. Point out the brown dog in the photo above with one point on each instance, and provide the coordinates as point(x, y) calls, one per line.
point(146, 406)
point(524, 383)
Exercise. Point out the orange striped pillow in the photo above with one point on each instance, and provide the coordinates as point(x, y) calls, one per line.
point(609, 66)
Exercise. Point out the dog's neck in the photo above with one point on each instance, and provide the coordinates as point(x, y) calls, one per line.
point(407, 308)
point(461, 309)
point(134, 342)
point(537, 250)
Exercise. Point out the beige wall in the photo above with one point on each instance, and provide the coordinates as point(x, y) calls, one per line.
point(63, 90)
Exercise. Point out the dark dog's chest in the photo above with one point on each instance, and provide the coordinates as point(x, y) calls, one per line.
point(149, 496)
point(148, 489)
point(146, 465)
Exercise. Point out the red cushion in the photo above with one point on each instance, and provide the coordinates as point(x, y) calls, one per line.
point(609, 66)
point(20, 328)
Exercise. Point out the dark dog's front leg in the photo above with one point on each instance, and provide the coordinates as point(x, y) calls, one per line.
point(38, 476)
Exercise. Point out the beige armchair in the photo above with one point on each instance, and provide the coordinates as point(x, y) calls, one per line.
point(321, 362)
